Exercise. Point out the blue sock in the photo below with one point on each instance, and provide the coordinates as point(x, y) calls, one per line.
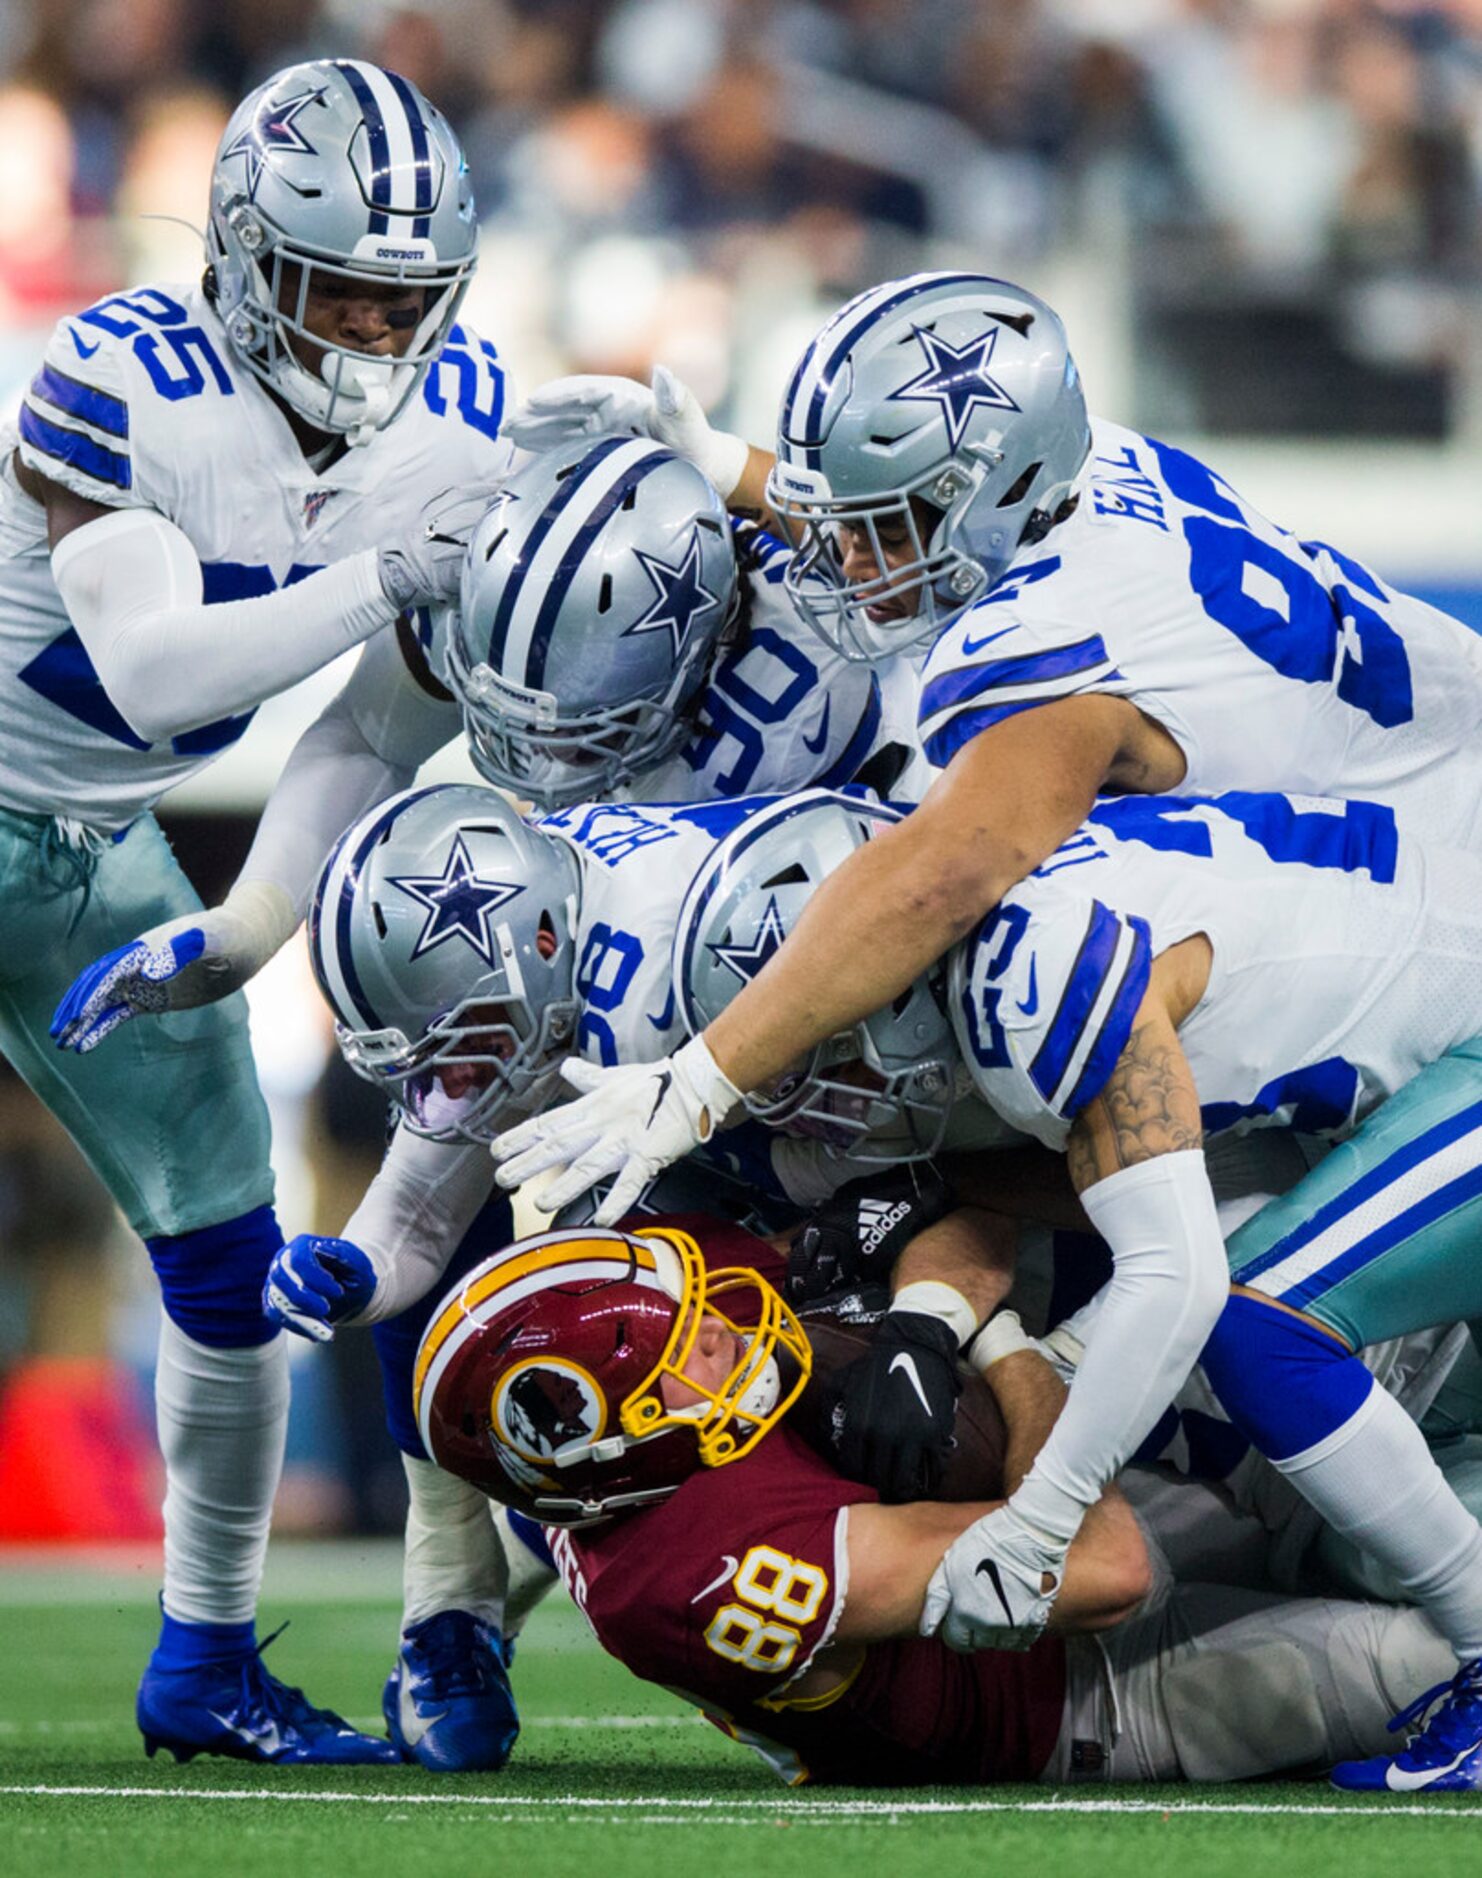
point(188, 1646)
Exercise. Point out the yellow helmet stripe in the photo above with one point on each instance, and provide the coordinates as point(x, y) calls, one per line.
point(509, 1271)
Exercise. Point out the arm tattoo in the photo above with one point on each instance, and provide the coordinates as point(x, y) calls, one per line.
point(1148, 1107)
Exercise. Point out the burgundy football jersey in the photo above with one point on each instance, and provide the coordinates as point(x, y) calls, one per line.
point(725, 1592)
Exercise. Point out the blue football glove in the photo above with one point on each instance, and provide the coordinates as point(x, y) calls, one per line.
point(314, 1284)
point(176, 966)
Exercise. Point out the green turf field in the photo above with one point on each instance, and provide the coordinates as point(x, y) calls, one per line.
point(611, 1777)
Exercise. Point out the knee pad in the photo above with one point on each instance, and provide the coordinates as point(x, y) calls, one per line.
point(397, 1339)
point(211, 1280)
point(1285, 1384)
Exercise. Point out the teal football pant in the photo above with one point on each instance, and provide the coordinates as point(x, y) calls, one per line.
point(167, 1110)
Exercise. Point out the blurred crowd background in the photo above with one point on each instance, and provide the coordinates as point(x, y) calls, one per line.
point(1258, 217)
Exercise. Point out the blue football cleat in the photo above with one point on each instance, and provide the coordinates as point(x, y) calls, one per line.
point(1444, 1757)
point(448, 1704)
point(238, 1708)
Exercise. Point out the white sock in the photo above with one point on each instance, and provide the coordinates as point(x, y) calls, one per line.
point(1375, 1482)
point(454, 1557)
point(223, 1418)
point(530, 1578)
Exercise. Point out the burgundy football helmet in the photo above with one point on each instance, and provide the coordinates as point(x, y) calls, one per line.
point(539, 1378)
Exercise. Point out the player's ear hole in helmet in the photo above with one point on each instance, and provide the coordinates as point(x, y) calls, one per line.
point(581, 1373)
point(595, 595)
point(442, 936)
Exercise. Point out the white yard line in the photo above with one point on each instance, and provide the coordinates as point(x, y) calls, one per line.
point(667, 1809)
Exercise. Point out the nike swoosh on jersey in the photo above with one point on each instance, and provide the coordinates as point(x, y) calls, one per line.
point(1031, 1003)
point(818, 746)
point(990, 1566)
point(971, 646)
point(1401, 1780)
point(85, 352)
point(727, 1570)
point(908, 1364)
point(665, 1017)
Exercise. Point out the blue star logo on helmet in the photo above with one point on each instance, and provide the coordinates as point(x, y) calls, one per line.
point(458, 902)
point(274, 127)
point(680, 596)
point(747, 960)
point(957, 381)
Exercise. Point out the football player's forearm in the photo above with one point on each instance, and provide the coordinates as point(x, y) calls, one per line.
point(749, 497)
point(971, 1250)
point(414, 1215)
point(1030, 1396)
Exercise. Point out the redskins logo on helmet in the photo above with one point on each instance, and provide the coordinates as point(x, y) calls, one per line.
point(540, 1378)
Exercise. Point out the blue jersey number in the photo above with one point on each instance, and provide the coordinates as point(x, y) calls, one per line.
point(1351, 837)
point(738, 710)
point(604, 972)
point(994, 948)
point(1274, 604)
point(479, 383)
point(191, 354)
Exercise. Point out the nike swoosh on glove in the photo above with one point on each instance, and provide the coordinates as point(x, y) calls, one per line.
point(176, 966)
point(631, 1122)
point(315, 1283)
point(987, 1592)
point(890, 1413)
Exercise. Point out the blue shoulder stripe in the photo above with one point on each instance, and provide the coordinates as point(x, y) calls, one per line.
point(98, 408)
point(942, 745)
point(1116, 1026)
point(1082, 988)
point(75, 449)
point(1023, 668)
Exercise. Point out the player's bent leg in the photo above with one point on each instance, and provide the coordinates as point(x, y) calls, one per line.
point(221, 1393)
point(1224, 1684)
point(447, 1702)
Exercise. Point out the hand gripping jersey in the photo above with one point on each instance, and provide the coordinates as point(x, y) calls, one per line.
point(1274, 663)
point(1347, 956)
point(727, 1592)
point(140, 403)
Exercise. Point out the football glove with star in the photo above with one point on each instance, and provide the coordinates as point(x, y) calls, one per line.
point(989, 1591)
point(185, 962)
point(889, 1414)
point(630, 1122)
point(314, 1284)
point(569, 409)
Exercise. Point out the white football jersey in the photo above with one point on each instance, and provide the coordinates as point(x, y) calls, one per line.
point(140, 402)
point(637, 861)
point(1347, 956)
point(1274, 663)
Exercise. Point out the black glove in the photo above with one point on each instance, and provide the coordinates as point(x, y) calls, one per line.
point(855, 1238)
point(888, 1415)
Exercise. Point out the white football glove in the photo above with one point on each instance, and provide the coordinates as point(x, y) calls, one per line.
point(631, 1121)
point(569, 409)
point(987, 1592)
point(427, 566)
point(176, 966)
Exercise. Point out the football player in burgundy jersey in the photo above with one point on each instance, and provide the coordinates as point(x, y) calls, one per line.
point(599, 1381)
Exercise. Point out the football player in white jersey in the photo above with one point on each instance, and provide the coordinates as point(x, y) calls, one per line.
point(185, 455)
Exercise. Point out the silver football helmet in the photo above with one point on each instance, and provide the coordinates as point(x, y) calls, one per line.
point(595, 592)
point(442, 936)
point(336, 169)
point(880, 1091)
point(945, 409)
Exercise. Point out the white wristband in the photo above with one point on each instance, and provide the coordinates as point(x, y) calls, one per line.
point(931, 1298)
point(1003, 1335)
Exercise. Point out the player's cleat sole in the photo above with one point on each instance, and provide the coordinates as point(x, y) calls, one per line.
point(239, 1710)
point(448, 1703)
